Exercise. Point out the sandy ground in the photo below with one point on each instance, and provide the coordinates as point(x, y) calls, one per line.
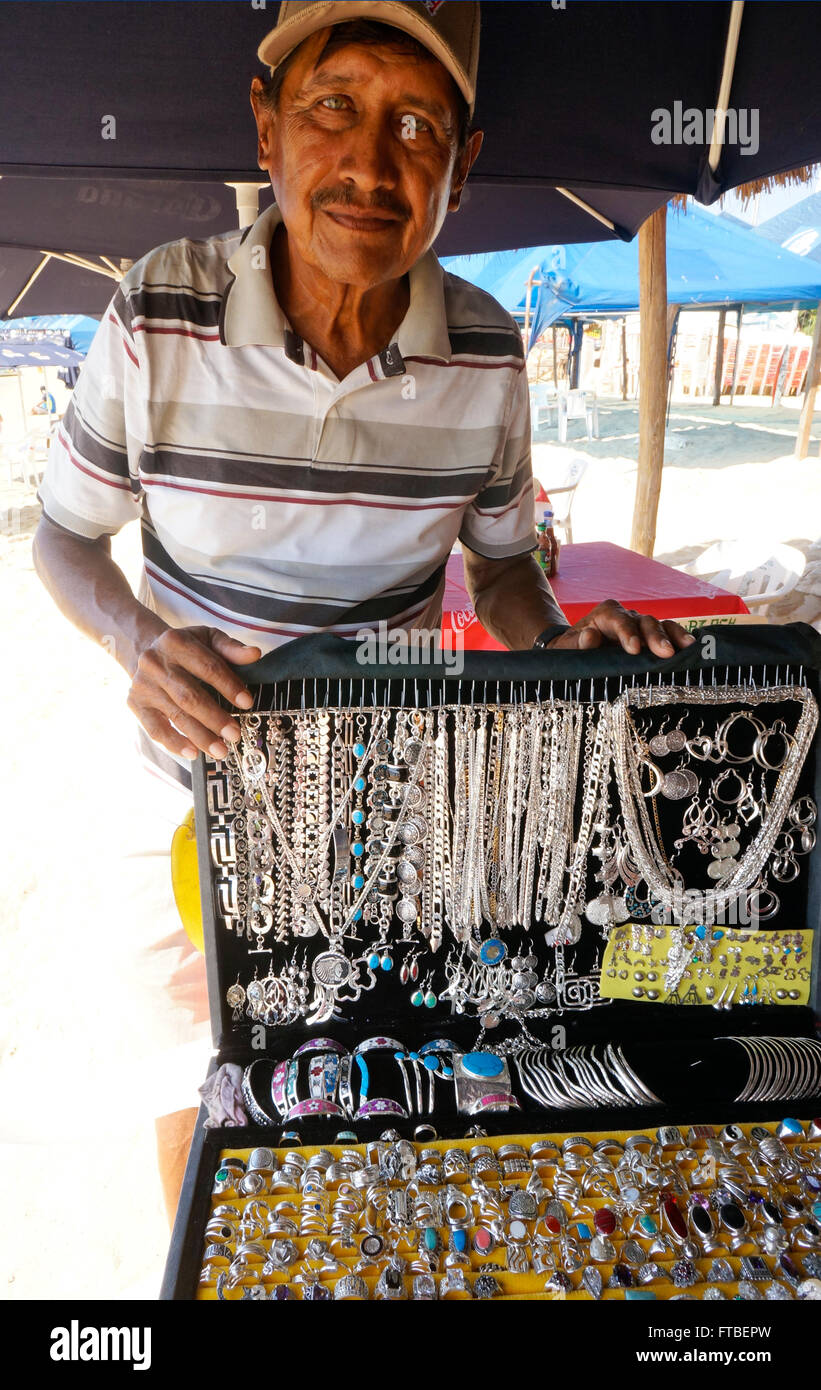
point(101, 1025)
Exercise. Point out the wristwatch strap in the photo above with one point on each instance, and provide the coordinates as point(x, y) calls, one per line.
point(545, 638)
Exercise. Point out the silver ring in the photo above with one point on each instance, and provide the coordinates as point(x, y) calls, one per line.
point(351, 1288)
point(577, 1143)
point(261, 1161)
point(455, 1283)
point(790, 1129)
point(390, 1286)
point(218, 1251)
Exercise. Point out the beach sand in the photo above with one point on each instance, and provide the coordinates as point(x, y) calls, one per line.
point(103, 1027)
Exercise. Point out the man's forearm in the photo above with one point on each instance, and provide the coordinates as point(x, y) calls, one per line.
point(93, 593)
point(513, 602)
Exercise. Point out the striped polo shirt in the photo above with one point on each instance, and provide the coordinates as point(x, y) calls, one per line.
point(275, 499)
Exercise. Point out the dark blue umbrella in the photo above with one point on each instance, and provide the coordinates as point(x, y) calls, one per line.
point(571, 99)
point(62, 240)
point(41, 353)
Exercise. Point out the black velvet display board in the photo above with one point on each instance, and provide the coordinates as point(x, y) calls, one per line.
point(677, 1051)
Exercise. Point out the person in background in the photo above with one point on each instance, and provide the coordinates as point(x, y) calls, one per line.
point(46, 404)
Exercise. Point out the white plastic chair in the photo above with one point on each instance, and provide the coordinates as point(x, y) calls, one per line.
point(542, 401)
point(757, 571)
point(578, 405)
point(559, 479)
point(27, 453)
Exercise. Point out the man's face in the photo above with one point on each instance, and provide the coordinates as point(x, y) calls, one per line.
point(362, 156)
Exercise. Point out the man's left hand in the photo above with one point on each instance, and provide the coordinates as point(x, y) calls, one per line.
point(609, 624)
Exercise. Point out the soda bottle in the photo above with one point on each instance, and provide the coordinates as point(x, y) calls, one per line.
point(549, 545)
point(540, 543)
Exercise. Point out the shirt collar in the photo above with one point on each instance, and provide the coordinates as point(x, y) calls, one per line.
point(251, 314)
point(250, 310)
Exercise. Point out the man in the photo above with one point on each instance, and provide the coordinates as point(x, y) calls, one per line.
point(307, 416)
point(46, 404)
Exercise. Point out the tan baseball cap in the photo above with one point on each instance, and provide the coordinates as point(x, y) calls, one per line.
point(449, 28)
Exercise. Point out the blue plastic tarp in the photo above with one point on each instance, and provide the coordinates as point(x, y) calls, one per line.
point(711, 260)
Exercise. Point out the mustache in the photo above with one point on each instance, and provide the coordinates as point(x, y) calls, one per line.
point(381, 200)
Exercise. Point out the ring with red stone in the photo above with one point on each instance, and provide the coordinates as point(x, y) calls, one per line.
point(484, 1242)
point(605, 1221)
point(673, 1220)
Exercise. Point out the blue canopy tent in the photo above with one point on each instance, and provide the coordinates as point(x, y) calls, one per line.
point(711, 262)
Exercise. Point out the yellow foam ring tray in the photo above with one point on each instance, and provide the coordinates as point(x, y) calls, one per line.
point(514, 1286)
point(788, 976)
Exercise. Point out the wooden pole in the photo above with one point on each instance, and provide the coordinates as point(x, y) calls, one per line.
point(802, 442)
point(555, 361)
point(652, 378)
point(719, 367)
point(624, 359)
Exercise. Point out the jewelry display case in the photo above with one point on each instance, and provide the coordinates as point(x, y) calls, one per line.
point(512, 978)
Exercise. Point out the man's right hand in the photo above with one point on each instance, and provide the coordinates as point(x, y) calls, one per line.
point(167, 690)
point(167, 666)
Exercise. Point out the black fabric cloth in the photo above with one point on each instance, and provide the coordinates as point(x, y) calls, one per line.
point(322, 655)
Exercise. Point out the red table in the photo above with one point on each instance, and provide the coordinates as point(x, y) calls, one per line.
point(589, 573)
